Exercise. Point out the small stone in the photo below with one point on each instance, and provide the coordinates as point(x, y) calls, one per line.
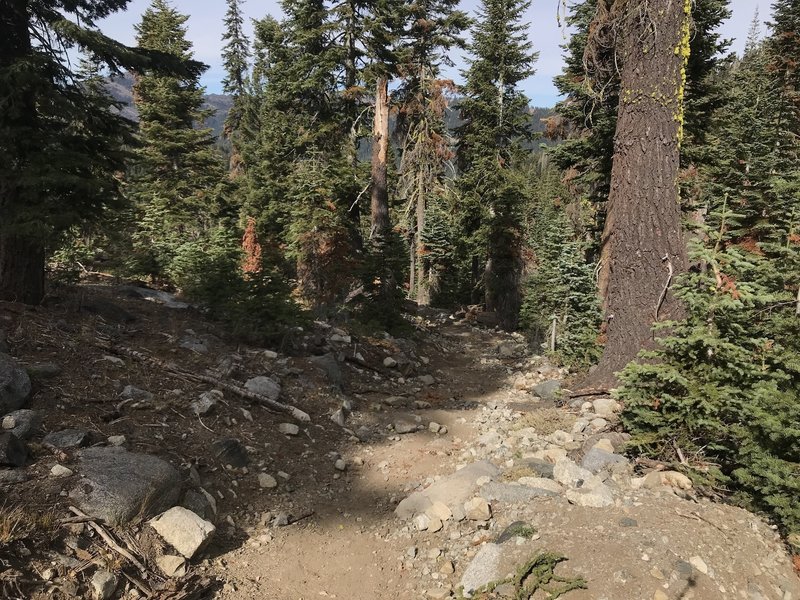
point(435, 525)
point(547, 390)
point(606, 407)
point(171, 565)
point(447, 567)
point(434, 427)
point(605, 445)
point(439, 510)
point(206, 403)
point(44, 370)
point(61, 471)
point(104, 584)
point(699, 564)
point(422, 522)
point(389, 362)
point(478, 509)
point(67, 439)
point(628, 522)
point(340, 465)
point(411, 552)
point(659, 595)
point(288, 429)
point(427, 380)
point(230, 451)
point(116, 440)
point(339, 417)
point(22, 423)
point(133, 393)
point(267, 481)
point(596, 497)
point(13, 452)
point(183, 530)
point(264, 386)
point(403, 427)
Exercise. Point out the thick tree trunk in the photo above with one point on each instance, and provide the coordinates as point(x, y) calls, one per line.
point(423, 295)
point(22, 259)
point(21, 269)
point(380, 150)
point(643, 241)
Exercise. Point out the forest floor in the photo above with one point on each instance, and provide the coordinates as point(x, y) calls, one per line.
point(440, 461)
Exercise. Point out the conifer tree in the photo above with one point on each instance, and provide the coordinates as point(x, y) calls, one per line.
point(176, 178)
point(235, 55)
point(490, 146)
point(434, 28)
point(60, 142)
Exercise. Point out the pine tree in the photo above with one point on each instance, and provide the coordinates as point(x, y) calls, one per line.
point(176, 180)
point(235, 55)
point(61, 144)
point(491, 144)
point(434, 28)
point(642, 261)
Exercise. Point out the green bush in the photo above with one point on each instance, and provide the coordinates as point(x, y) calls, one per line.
point(724, 386)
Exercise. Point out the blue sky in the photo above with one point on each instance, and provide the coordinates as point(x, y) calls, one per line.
point(205, 31)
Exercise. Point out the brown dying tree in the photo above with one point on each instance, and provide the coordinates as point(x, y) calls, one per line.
point(643, 241)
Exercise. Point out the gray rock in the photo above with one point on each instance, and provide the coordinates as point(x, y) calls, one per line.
point(395, 401)
point(541, 467)
point(541, 483)
point(288, 429)
point(230, 451)
point(22, 423)
point(606, 407)
point(401, 426)
point(434, 427)
point(44, 370)
point(13, 452)
point(340, 417)
point(484, 568)
point(267, 481)
point(547, 390)
point(11, 476)
point(509, 492)
point(596, 460)
point(104, 584)
point(198, 503)
point(61, 471)
point(107, 310)
point(568, 474)
point(340, 465)
point(598, 496)
point(477, 509)
point(628, 522)
point(193, 344)
point(183, 530)
point(427, 380)
point(328, 364)
point(171, 565)
point(452, 491)
point(15, 385)
point(67, 439)
point(117, 486)
point(264, 386)
point(116, 440)
point(137, 394)
point(206, 403)
point(389, 362)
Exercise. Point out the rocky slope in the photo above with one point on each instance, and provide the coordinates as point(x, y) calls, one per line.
point(147, 454)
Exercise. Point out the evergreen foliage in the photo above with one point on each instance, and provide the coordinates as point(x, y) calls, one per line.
point(176, 181)
point(724, 387)
point(235, 55)
point(491, 145)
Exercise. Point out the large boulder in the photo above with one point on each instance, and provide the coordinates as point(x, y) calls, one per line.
point(453, 491)
point(22, 423)
point(117, 486)
point(484, 568)
point(15, 385)
point(13, 452)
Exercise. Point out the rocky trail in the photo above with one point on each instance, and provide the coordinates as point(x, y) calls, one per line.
point(143, 456)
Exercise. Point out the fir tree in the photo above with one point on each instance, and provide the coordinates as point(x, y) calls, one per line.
point(176, 179)
point(61, 144)
point(434, 28)
point(490, 146)
point(235, 55)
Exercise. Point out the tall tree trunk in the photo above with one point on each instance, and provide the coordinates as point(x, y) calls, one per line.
point(22, 258)
point(643, 238)
point(380, 150)
point(423, 286)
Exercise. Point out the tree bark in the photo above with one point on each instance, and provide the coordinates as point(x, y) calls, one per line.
point(22, 258)
point(380, 150)
point(643, 240)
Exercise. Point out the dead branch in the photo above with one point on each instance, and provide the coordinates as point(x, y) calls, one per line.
point(109, 540)
point(218, 383)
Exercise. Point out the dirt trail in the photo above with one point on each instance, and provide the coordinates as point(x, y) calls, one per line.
point(310, 512)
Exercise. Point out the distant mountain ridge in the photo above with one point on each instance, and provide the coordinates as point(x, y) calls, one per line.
point(121, 89)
